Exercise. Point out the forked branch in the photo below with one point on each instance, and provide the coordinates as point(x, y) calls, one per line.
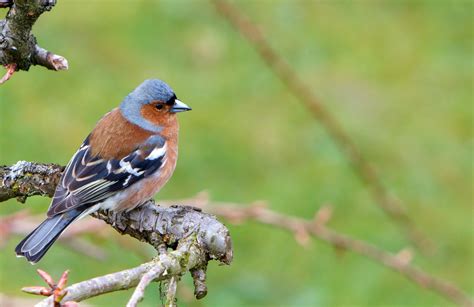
point(18, 46)
point(188, 254)
point(195, 237)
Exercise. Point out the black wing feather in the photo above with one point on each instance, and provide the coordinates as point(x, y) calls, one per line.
point(89, 180)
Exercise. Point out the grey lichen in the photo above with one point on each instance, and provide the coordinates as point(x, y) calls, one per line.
point(25, 179)
point(157, 225)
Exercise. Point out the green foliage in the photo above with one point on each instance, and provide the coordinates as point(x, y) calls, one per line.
point(397, 75)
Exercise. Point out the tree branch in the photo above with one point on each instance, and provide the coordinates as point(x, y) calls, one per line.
point(145, 280)
point(199, 279)
point(18, 47)
point(198, 236)
point(171, 287)
point(282, 70)
point(148, 223)
point(317, 228)
point(188, 255)
point(25, 179)
point(158, 226)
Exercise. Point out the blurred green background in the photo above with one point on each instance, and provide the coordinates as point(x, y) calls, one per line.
point(397, 75)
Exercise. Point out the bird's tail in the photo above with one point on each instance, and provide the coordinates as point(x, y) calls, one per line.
point(37, 243)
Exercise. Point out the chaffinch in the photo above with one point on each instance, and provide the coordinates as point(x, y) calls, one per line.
point(125, 160)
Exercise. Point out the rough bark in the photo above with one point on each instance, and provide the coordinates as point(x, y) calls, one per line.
point(195, 236)
point(159, 225)
point(18, 46)
point(25, 179)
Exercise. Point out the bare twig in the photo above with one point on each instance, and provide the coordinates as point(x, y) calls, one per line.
point(55, 291)
point(189, 254)
point(145, 280)
point(49, 60)
point(18, 47)
point(301, 227)
point(290, 78)
point(11, 68)
point(171, 292)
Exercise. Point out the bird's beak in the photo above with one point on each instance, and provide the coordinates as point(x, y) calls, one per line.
point(179, 106)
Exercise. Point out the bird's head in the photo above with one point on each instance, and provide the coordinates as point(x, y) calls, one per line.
point(151, 105)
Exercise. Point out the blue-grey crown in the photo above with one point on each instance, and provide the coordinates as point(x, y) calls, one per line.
point(148, 91)
point(151, 90)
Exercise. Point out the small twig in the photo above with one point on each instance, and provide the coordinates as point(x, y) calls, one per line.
point(199, 279)
point(11, 68)
point(145, 280)
point(49, 60)
point(171, 292)
point(55, 291)
point(122, 280)
point(390, 205)
point(188, 255)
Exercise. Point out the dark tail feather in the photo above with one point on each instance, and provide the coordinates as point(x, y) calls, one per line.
point(37, 243)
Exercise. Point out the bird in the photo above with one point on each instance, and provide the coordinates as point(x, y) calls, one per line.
point(127, 158)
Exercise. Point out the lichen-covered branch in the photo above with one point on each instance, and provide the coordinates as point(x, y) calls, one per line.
point(26, 179)
point(18, 46)
point(197, 236)
point(145, 280)
point(158, 226)
point(188, 254)
point(148, 223)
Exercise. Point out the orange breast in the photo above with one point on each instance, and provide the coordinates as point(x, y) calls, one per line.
point(114, 137)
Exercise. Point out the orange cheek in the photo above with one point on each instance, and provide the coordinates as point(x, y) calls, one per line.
point(150, 113)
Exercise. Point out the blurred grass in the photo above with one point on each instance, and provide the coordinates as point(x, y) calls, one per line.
point(397, 75)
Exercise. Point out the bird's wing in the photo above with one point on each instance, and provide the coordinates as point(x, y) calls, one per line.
point(88, 180)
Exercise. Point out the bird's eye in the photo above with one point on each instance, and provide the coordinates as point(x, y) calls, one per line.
point(159, 106)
